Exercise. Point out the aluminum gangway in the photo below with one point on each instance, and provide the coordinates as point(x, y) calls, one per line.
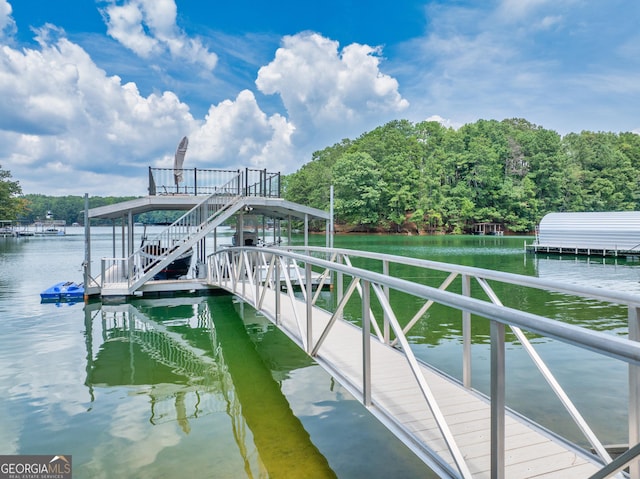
point(454, 429)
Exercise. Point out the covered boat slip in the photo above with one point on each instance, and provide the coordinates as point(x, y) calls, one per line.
point(235, 197)
point(613, 233)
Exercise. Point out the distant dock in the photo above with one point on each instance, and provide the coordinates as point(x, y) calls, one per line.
point(606, 234)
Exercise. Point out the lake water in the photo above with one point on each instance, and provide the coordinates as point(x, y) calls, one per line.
point(205, 387)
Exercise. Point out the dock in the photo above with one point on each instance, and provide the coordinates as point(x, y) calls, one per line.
point(457, 431)
point(396, 399)
point(216, 199)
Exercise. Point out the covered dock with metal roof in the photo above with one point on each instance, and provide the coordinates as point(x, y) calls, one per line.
point(237, 198)
point(611, 233)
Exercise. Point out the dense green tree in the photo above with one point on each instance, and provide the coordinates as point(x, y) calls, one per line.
point(314, 179)
point(358, 185)
point(510, 172)
point(11, 204)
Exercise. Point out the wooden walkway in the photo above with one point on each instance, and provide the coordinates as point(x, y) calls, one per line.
point(399, 403)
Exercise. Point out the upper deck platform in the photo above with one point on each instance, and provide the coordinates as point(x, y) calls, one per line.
point(271, 207)
point(261, 189)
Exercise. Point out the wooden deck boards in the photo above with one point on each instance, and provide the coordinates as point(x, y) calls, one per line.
point(395, 394)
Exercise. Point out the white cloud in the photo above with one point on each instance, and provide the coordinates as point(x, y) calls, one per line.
point(125, 25)
point(65, 117)
point(240, 133)
point(325, 90)
point(148, 28)
point(447, 123)
point(7, 24)
point(550, 21)
point(567, 65)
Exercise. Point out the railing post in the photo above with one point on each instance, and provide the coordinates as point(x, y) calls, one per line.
point(257, 271)
point(277, 286)
point(466, 335)
point(366, 344)
point(634, 392)
point(339, 281)
point(386, 334)
point(497, 400)
point(309, 298)
point(264, 182)
point(195, 182)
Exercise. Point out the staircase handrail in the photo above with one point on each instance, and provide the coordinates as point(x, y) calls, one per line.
point(143, 273)
point(170, 240)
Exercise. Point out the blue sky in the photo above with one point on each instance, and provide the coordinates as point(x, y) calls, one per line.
point(94, 92)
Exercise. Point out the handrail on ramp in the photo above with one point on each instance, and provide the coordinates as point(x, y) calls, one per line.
point(255, 273)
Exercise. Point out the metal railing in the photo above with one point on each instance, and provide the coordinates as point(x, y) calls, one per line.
point(236, 269)
point(194, 181)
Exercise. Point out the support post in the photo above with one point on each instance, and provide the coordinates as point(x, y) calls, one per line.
point(366, 343)
point(122, 250)
point(634, 392)
point(497, 400)
point(331, 227)
point(385, 289)
point(87, 246)
point(277, 288)
point(466, 335)
point(309, 289)
point(130, 233)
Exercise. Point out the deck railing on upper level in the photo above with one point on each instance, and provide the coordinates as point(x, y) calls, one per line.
point(200, 181)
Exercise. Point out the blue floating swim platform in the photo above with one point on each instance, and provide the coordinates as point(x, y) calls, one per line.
point(63, 291)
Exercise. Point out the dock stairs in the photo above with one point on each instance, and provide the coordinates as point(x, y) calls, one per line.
point(124, 276)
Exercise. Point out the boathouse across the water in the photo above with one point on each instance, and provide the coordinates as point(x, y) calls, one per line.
point(611, 233)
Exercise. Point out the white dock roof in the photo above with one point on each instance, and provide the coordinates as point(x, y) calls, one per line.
point(612, 230)
point(271, 207)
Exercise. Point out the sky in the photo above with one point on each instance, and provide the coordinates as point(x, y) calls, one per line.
point(94, 92)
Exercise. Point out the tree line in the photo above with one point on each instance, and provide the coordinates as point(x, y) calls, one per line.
point(32, 208)
point(426, 177)
point(430, 178)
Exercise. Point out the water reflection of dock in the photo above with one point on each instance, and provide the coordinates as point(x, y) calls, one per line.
point(614, 274)
point(192, 366)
